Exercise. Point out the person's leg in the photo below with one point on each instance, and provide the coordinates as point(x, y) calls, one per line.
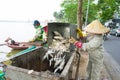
point(97, 63)
point(89, 69)
point(96, 69)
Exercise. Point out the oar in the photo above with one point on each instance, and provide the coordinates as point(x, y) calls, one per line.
point(32, 43)
point(3, 44)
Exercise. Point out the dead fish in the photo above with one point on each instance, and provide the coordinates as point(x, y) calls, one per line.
point(58, 61)
point(57, 33)
point(60, 67)
point(50, 61)
point(58, 38)
point(48, 53)
point(30, 71)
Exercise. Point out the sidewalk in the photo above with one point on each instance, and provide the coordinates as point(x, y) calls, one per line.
point(111, 69)
point(104, 74)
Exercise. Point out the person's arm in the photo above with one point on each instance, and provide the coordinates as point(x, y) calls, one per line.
point(93, 43)
point(75, 42)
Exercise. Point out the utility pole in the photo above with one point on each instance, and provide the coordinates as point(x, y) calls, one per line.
point(86, 20)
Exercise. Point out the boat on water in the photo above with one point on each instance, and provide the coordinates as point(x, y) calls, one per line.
point(20, 45)
point(16, 45)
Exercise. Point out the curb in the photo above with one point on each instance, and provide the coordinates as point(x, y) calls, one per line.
point(104, 74)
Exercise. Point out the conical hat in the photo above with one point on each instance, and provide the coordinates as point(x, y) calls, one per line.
point(96, 27)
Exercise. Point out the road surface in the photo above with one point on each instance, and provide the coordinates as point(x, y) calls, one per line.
point(112, 46)
point(112, 57)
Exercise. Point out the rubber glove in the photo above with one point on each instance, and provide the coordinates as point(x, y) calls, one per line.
point(76, 43)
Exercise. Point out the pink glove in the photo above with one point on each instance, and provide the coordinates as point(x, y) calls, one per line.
point(78, 44)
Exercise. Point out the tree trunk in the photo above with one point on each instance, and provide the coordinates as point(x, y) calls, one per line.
point(79, 14)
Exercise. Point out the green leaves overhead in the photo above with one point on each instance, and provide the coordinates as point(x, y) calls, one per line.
point(103, 10)
point(107, 8)
point(70, 10)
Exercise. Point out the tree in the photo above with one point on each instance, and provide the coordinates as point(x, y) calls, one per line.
point(59, 16)
point(79, 14)
point(75, 11)
point(92, 12)
point(103, 11)
point(106, 9)
point(117, 6)
point(70, 10)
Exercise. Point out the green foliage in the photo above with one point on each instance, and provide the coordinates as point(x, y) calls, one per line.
point(118, 6)
point(103, 11)
point(70, 10)
point(107, 8)
point(92, 12)
point(59, 16)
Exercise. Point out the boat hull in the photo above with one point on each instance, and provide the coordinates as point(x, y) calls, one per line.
point(18, 47)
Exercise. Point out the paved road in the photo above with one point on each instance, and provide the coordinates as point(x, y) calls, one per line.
point(112, 57)
point(112, 46)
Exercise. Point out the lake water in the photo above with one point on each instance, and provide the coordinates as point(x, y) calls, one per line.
point(19, 31)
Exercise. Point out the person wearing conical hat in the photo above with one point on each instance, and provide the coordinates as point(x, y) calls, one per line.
point(94, 47)
point(96, 28)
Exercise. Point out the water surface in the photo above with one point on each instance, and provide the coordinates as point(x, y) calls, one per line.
point(19, 31)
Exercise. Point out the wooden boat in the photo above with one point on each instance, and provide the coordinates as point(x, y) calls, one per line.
point(15, 45)
point(18, 46)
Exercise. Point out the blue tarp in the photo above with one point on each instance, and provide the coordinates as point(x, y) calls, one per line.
point(26, 50)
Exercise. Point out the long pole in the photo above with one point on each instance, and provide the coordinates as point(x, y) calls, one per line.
point(2, 44)
point(86, 20)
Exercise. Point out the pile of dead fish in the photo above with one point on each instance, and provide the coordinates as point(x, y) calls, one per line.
point(56, 52)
